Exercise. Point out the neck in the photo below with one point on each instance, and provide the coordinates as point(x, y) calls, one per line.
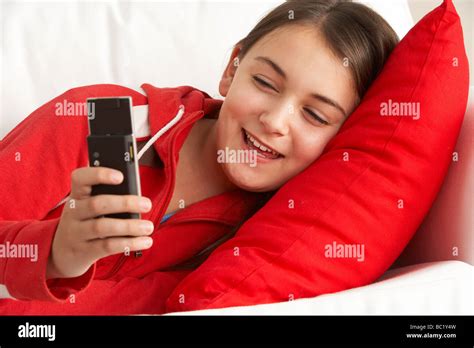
point(199, 174)
point(206, 156)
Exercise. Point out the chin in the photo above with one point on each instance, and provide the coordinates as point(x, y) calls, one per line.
point(242, 176)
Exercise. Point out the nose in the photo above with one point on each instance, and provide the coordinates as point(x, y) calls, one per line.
point(276, 121)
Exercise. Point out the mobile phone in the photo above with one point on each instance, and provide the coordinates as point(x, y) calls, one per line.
point(111, 143)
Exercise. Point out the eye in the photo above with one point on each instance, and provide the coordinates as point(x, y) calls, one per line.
point(264, 83)
point(316, 117)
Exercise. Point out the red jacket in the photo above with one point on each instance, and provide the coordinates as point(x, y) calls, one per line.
point(37, 158)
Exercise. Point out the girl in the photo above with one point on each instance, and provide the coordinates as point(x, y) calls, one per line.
point(289, 86)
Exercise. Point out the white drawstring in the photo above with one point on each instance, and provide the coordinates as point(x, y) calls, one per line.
point(162, 131)
point(150, 142)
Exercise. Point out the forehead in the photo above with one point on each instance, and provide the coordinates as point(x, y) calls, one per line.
point(299, 49)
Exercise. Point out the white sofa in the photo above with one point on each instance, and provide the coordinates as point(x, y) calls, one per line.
point(50, 47)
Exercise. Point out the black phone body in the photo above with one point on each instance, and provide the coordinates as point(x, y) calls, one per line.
point(111, 143)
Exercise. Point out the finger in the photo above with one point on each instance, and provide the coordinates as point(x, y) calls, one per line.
point(83, 178)
point(111, 246)
point(110, 204)
point(108, 227)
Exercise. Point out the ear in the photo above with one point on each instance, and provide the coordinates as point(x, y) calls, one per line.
point(229, 72)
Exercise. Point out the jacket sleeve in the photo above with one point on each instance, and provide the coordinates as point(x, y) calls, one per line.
point(37, 158)
point(24, 275)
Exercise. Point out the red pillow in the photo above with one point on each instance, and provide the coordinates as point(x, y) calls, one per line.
point(343, 221)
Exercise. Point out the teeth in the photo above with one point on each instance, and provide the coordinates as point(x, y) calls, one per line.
point(261, 147)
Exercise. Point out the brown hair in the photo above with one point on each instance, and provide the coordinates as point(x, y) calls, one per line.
point(354, 32)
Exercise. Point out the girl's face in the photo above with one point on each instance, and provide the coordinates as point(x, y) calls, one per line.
point(291, 94)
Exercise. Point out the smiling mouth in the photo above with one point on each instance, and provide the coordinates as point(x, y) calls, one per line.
point(262, 150)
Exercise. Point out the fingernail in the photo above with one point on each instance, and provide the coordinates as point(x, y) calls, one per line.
point(116, 177)
point(147, 243)
point(147, 226)
point(145, 204)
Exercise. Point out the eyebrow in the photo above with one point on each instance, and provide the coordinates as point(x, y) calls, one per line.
point(316, 96)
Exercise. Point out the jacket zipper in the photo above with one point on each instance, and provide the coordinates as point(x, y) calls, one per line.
point(123, 258)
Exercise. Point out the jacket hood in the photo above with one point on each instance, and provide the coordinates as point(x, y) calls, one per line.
point(164, 104)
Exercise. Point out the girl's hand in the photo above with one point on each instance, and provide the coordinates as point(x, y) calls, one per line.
point(81, 239)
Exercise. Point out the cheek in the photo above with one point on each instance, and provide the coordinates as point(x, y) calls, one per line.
point(243, 102)
point(238, 110)
point(308, 147)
